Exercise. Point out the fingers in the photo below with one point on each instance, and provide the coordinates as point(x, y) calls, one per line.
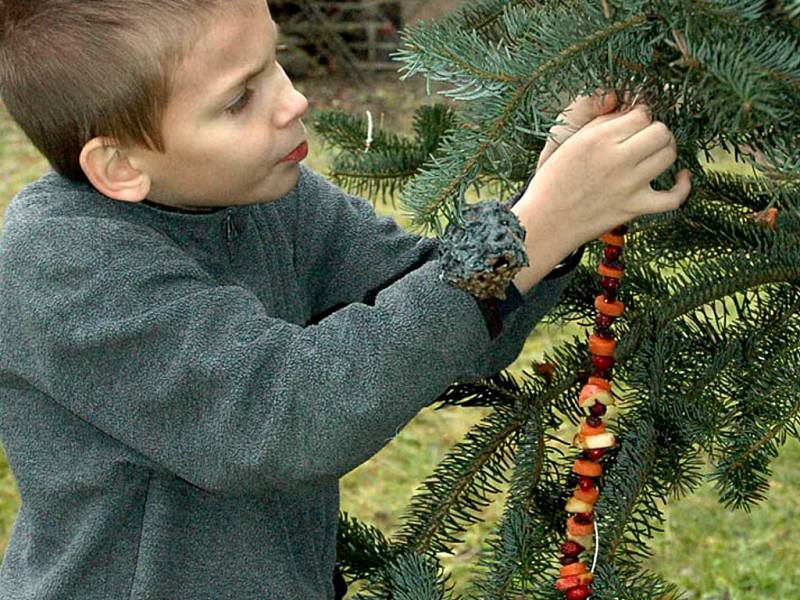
point(655, 164)
point(604, 102)
point(602, 120)
point(663, 201)
point(585, 108)
point(577, 115)
point(651, 140)
point(631, 100)
point(622, 126)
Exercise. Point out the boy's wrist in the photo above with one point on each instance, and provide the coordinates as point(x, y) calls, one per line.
point(567, 265)
point(551, 249)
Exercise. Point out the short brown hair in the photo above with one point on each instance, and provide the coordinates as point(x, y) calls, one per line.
point(72, 70)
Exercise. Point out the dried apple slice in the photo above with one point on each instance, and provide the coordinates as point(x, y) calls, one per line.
point(591, 394)
point(587, 541)
point(574, 505)
point(591, 442)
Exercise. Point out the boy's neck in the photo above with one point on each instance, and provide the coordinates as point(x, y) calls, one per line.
point(164, 207)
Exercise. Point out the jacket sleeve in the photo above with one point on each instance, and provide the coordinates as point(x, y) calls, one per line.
point(120, 327)
point(355, 253)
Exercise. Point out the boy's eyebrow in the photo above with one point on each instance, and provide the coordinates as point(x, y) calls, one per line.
point(254, 72)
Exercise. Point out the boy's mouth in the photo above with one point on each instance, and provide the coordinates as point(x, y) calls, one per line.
point(297, 154)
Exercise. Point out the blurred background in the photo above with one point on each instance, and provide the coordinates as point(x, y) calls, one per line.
point(339, 55)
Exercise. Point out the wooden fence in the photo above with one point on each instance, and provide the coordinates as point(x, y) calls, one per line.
point(354, 36)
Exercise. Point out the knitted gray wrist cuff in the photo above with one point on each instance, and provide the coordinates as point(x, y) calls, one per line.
point(483, 254)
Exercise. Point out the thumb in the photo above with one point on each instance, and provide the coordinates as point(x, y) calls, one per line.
point(675, 197)
point(605, 118)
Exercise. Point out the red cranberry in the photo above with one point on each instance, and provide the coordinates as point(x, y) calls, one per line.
point(615, 264)
point(602, 362)
point(571, 548)
point(586, 483)
point(610, 295)
point(598, 409)
point(604, 320)
point(602, 374)
point(579, 592)
point(610, 283)
point(620, 230)
point(568, 560)
point(604, 332)
point(583, 518)
point(595, 453)
point(594, 421)
point(611, 252)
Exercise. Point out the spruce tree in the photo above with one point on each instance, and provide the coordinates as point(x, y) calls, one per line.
point(709, 346)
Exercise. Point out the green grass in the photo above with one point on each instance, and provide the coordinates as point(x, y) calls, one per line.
point(20, 163)
point(711, 552)
point(9, 501)
point(718, 553)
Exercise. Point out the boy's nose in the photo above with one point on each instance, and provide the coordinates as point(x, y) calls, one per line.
point(294, 107)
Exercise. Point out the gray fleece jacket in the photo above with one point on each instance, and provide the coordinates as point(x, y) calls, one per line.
point(180, 393)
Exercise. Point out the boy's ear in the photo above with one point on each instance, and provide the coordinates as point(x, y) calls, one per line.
point(111, 173)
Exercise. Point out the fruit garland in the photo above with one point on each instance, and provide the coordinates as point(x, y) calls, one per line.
point(592, 438)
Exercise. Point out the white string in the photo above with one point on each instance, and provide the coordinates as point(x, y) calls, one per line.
point(596, 545)
point(370, 126)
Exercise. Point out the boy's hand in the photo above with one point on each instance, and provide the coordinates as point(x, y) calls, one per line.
point(579, 113)
point(598, 179)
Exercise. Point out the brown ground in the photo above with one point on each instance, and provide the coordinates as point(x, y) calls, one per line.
point(426, 9)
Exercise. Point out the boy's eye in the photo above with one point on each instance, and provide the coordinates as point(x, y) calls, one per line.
point(241, 103)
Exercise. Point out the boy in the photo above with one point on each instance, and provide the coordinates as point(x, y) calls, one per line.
point(200, 337)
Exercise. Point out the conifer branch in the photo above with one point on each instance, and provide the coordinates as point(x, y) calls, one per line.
point(751, 192)
point(460, 485)
point(426, 214)
point(499, 390)
point(493, 14)
point(519, 561)
point(426, 211)
point(626, 486)
point(391, 161)
point(710, 287)
point(768, 410)
point(625, 582)
point(530, 460)
point(410, 577)
point(362, 550)
point(559, 60)
point(707, 352)
point(771, 433)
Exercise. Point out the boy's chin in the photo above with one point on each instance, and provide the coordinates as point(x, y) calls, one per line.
point(270, 189)
point(278, 187)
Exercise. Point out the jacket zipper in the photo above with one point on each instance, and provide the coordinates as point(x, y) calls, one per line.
point(229, 234)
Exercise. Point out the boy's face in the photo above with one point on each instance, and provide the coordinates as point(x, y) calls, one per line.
point(233, 119)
